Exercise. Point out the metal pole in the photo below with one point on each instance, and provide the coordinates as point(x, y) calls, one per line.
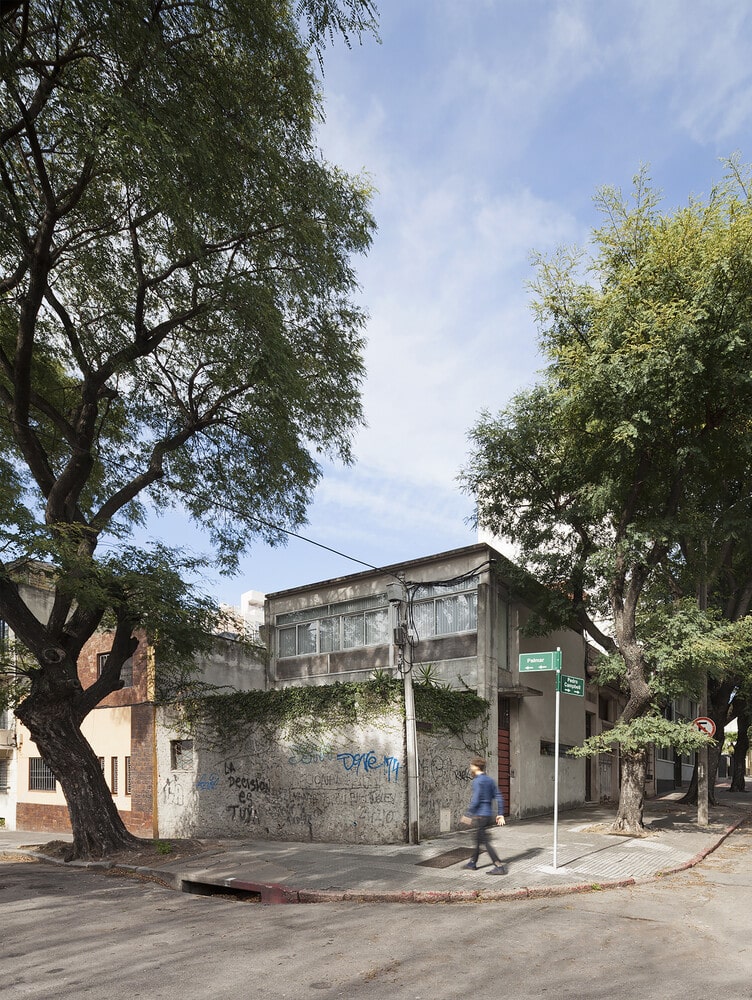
point(702, 767)
point(556, 764)
point(702, 758)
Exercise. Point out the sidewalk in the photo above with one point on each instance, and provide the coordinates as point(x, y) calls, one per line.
point(588, 858)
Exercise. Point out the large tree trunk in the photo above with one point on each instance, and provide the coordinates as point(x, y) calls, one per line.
point(743, 721)
point(633, 762)
point(719, 694)
point(55, 728)
point(632, 794)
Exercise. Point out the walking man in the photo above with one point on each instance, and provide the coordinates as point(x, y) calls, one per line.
point(482, 814)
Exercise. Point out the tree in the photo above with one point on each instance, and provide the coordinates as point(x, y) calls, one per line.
point(177, 323)
point(641, 417)
point(712, 565)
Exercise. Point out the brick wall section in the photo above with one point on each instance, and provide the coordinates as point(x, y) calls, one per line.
point(142, 763)
point(50, 819)
point(54, 819)
point(101, 642)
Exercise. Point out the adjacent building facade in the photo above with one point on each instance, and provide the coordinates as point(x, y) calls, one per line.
point(122, 729)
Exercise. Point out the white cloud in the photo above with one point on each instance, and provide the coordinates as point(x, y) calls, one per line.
point(450, 329)
point(699, 53)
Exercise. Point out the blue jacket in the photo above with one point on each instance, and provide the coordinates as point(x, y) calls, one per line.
point(484, 792)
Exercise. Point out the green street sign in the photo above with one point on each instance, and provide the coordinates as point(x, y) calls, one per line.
point(572, 685)
point(540, 661)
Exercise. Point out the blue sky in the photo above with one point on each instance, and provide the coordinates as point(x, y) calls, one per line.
point(486, 127)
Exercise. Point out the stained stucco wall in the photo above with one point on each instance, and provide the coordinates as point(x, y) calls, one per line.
point(349, 787)
point(445, 780)
point(533, 722)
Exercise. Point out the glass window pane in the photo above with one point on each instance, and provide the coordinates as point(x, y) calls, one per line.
point(353, 631)
point(287, 642)
point(377, 627)
point(445, 615)
point(456, 614)
point(423, 619)
point(126, 673)
point(307, 638)
point(329, 634)
point(472, 611)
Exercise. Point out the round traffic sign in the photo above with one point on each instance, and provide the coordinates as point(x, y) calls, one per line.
point(705, 725)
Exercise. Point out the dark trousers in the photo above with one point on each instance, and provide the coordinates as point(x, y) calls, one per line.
point(482, 839)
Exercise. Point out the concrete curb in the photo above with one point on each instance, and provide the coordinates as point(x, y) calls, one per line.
point(274, 893)
point(704, 852)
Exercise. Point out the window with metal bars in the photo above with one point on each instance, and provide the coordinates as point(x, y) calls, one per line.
point(41, 778)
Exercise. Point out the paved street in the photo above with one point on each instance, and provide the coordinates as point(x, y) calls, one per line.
point(72, 933)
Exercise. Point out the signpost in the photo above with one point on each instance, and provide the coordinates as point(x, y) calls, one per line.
point(529, 662)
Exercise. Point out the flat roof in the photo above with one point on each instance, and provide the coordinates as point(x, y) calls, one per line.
point(391, 570)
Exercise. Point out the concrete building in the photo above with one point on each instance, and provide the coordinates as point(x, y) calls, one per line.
point(458, 617)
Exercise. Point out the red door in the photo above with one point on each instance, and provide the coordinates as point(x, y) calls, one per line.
point(504, 758)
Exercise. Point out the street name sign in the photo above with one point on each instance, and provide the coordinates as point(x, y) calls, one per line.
point(572, 685)
point(540, 661)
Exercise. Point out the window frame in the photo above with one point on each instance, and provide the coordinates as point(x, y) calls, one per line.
point(179, 748)
point(43, 774)
point(330, 628)
point(126, 671)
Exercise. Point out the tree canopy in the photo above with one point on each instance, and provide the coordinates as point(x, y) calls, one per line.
point(177, 296)
point(634, 446)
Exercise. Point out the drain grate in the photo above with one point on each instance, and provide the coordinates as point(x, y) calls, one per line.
point(221, 891)
point(447, 859)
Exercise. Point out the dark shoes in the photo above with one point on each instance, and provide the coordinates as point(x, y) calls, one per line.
point(495, 870)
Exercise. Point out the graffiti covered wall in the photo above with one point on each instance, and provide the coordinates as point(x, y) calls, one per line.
point(445, 780)
point(348, 787)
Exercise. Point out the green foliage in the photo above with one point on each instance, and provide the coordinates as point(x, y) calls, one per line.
point(177, 325)
point(625, 475)
point(306, 714)
point(641, 733)
point(16, 666)
point(163, 847)
point(175, 259)
point(299, 713)
point(448, 710)
point(686, 644)
point(625, 452)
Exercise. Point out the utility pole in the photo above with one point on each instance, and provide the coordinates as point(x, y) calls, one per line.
point(396, 595)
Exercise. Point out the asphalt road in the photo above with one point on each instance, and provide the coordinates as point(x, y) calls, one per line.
point(77, 934)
